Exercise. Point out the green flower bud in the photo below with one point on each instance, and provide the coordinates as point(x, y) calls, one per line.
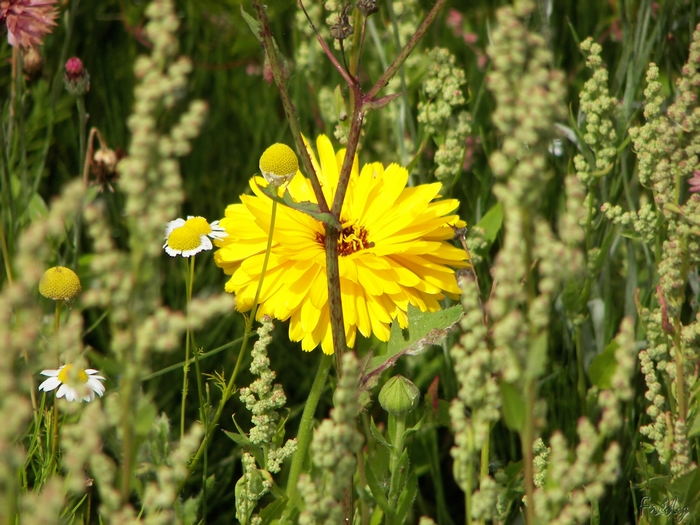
point(399, 396)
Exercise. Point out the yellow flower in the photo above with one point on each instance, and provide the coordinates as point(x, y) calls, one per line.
point(392, 252)
point(59, 283)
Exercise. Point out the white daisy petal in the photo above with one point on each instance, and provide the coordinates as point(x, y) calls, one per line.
point(62, 390)
point(96, 386)
point(71, 394)
point(172, 225)
point(206, 243)
point(170, 251)
point(50, 373)
point(50, 384)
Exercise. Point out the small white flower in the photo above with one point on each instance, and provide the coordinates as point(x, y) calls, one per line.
point(75, 383)
point(191, 236)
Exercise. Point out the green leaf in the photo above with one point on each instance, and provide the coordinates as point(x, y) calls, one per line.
point(307, 207)
point(695, 427)
point(513, 406)
point(686, 488)
point(408, 495)
point(145, 416)
point(424, 329)
point(375, 487)
point(36, 208)
point(491, 223)
point(273, 511)
point(603, 366)
point(537, 357)
point(443, 417)
point(253, 24)
point(377, 434)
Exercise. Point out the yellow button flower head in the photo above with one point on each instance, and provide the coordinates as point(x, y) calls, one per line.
point(191, 236)
point(279, 164)
point(59, 283)
point(393, 252)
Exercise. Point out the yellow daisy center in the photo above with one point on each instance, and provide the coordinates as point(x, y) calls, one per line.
point(199, 225)
point(352, 239)
point(184, 238)
point(279, 160)
point(59, 283)
point(68, 375)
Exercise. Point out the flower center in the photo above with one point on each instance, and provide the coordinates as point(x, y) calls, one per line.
point(184, 238)
point(199, 224)
point(352, 239)
point(69, 376)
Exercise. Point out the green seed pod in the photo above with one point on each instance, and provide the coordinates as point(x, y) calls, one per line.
point(399, 396)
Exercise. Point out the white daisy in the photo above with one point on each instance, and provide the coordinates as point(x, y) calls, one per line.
point(191, 236)
point(75, 383)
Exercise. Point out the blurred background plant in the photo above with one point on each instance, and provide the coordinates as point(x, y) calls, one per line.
point(572, 378)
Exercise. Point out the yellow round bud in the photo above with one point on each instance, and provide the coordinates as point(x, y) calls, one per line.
point(59, 283)
point(279, 164)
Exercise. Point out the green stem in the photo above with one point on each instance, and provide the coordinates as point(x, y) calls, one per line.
point(203, 416)
point(56, 86)
point(397, 440)
point(54, 422)
point(406, 51)
point(528, 434)
point(189, 280)
point(5, 251)
point(228, 391)
point(82, 124)
point(289, 109)
point(305, 430)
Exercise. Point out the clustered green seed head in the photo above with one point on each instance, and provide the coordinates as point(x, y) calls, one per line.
point(450, 154)
point(264, 399)
point(442, 88)
point(600, 111)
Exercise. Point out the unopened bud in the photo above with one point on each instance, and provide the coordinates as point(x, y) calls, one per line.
point(367, 7)
point(77, 79)
point(399, 396)
point(32, 62)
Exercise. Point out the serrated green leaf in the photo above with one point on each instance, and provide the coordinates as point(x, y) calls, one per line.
point(513, 406)
point(686, 488)
point(603, 366)
point(424, 329)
